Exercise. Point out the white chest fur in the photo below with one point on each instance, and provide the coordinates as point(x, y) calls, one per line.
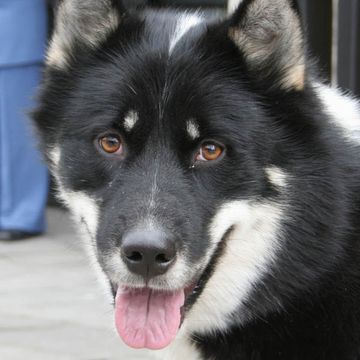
point(180, 349)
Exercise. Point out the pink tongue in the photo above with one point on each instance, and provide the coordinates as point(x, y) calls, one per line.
point(147, 318)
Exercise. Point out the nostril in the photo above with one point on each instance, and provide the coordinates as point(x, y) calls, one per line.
point(135, 256)
point(162, 259)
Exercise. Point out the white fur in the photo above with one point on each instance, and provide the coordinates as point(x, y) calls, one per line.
point(154, 191)
point(250, 250)
point(343, 109)
point(57, 56)
point(232, 5)
point(192, 129)
point(180, 349)
point(55, 156)
point(276, 176)
point(184, 24)
point(131, 118)
point(83, 208)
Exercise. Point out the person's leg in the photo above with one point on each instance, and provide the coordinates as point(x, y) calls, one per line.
point(23, 178)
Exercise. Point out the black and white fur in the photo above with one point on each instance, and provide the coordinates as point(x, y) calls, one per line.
point(271, 231)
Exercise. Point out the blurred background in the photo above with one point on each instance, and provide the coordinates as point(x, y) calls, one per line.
point(51, 306)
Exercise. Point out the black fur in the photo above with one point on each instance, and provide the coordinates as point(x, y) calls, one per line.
point(308, 304)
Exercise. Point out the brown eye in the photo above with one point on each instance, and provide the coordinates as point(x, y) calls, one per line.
point(111, 144)
point(209, 152)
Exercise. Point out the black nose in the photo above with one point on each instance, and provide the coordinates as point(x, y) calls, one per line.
point(148, 253)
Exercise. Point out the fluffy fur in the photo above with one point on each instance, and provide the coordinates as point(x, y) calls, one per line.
point(269, 232)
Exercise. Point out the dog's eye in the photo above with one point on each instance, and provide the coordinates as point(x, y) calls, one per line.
point(111, 144)
point(209, 151)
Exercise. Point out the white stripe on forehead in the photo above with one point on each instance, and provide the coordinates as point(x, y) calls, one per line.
point(130, 120)
point(183, 25)
point(193, 129)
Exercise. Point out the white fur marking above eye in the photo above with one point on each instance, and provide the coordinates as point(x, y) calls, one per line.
point(344, 110)
point(250, 250)
point(192, 129)
point(184, 24)
point(130, 120)
point(276, 176)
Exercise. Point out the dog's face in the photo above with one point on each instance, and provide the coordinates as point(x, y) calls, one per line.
point(160, 130)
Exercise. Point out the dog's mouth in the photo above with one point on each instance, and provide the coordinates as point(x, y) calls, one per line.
point(148, 318)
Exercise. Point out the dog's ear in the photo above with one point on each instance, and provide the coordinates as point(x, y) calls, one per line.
point(81, 23)
point(270, 36)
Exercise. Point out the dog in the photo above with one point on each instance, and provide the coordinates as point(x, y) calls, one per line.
point(214, 175)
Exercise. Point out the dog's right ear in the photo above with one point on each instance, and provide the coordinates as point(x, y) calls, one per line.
point(269, 34)
point(82, 22)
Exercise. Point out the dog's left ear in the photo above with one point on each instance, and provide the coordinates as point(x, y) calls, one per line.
point(269, 34)
point(81, 23)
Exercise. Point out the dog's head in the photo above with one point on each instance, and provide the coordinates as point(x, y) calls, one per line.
point(166, 136)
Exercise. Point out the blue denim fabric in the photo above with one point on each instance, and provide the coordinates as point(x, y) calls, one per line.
point(23, 177)
point(23, 31)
